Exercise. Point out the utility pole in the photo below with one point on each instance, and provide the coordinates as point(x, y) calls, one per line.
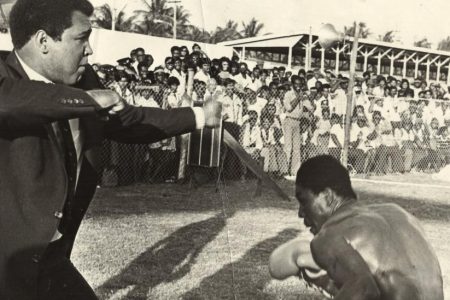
point(174, 25)
point(351, 84)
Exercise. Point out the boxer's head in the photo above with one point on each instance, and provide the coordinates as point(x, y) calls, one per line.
point(52, 37)
point(322, 186)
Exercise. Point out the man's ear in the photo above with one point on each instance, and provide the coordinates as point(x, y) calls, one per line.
point(329, 195)
point(41, 40)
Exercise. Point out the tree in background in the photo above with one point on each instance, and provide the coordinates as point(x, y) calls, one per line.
point(444, 44)
point(252, 29)
point(388, 37)
point(423, 43)
point(227, 33)
point(364, 31)
point(156, 19)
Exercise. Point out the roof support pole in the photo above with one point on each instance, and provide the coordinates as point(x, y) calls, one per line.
point(417, 61)
point(322, 60)
point(428, 64)
point(366, 54)
point(392, 58)
point(405, 63)
point(448, 75)
point(338, 52)
point(439, 64)
point(290, 57)
point(380, 56)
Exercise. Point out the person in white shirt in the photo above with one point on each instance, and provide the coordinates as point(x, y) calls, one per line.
point(173, 100)
point(358, 146)
point(169, 65)
point(336, 137)
point(293, 107)
point(178, 73)
point(253, 102)
point(379, 90)
point(338, 103)
point(251, 138)
point(272, 151)
point(203, 73)
point(243, 79)
point(321, 135)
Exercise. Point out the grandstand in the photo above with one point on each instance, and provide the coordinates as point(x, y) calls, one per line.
point(302, 50)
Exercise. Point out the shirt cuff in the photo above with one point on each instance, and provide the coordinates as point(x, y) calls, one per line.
point(199, 117)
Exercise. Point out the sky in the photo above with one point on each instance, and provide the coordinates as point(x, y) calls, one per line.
point(411, 19)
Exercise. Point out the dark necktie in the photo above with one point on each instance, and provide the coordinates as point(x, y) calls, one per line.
point(70, 162)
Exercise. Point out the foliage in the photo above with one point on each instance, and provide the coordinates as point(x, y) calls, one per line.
point(157, 20)
point(444, 44)
point(423, 43)
point(388, 37)
point(364, 31)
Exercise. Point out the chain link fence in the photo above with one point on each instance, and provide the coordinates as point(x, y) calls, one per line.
point(280, 128)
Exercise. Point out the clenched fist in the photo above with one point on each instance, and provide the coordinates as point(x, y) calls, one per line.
point(108, 100)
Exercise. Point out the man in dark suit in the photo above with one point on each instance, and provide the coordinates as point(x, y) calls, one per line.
point(50, 137)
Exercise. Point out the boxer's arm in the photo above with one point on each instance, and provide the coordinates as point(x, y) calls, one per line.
point(346, 268)
point(288, 258)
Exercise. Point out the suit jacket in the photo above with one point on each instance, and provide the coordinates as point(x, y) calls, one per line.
point(34, 187)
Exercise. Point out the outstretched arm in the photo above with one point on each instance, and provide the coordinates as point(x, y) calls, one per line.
point(289, 258)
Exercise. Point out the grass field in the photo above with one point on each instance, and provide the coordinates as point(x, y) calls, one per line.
point(171, 241)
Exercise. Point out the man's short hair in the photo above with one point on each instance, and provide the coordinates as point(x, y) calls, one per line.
point(173, 80)
point(168, 60)
point(174, 48)
point(139, 49)
point(322, 172)
point(52, 16)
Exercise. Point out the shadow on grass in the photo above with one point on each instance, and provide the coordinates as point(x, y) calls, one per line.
point(247, 277)
point(168, 260)
point(175, 198)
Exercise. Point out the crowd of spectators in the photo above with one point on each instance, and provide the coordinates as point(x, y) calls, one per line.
point(282, 117)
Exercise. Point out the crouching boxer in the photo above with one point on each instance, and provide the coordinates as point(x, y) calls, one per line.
point(368, 251)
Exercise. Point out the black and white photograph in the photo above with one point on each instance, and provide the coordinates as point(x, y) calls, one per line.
point(224, 149)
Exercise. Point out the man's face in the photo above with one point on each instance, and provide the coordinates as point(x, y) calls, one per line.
point(140, 56)
point(297, 85)
point(67, 58)
point(177, 65)
point(176, 53)
point(312, 208)
point(229, 89)
point(169, 65)
point(393, 92)
point(196, 48)
point(252, 119)
point(123, 83)
point(243, 70)
point(206, 68)
point(143, 74)
point(417, 84)
point(275, 73)
point(256, 73)
point(183, 52)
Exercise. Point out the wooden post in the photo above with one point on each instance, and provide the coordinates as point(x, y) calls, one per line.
point(322, 60)
point(290, 57)
point(350, 96)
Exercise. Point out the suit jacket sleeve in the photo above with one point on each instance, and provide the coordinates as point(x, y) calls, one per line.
point(25, 103)
point(148, 124)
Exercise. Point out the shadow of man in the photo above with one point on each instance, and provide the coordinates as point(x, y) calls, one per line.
point(168, 260)
point(247, 277)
